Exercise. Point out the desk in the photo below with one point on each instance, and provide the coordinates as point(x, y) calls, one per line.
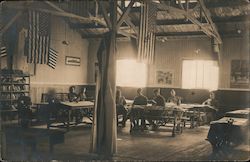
point(62, 112)
point(78, 105)
point(199, 113)
point(84, 108)
point(229, 131)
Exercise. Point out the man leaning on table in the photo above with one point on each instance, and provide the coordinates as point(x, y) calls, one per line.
point(173, 98)
point(213, 102)
point(158, 100)
point(136, 113)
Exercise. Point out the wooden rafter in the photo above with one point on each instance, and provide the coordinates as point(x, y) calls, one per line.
point(165, 7)
point(62, 14)
point(54, 6)
point(13, 19)
point(105, 14)
point(107, 22)
point(127, 20)
point(169, 22)
point(207, 15)
point(125, 14)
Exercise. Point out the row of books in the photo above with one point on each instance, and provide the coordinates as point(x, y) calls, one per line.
point(11, 96)
point(12, 88)
point(12, 80)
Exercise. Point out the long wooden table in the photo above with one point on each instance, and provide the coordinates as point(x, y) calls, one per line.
point(160, 115)
point(193, 113)
point(83, 107)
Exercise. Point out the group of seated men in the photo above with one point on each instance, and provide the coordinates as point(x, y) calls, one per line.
point(158, 100)
point(141, 99)
point(72, 97)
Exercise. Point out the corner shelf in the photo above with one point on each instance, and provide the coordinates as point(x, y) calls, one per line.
point(12, 86)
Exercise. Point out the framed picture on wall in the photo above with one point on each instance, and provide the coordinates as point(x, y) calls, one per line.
point(74, 61)
point(240, 74)
point(164, 77)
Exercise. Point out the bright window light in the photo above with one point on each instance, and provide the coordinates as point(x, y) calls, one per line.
point(131, 73)
point(202, 74)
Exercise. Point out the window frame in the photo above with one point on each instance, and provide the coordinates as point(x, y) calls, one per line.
point(199, 59)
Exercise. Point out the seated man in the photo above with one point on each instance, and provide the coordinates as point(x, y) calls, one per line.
point(24, 110)
point(120, 107)
point(73, 97)
point(137, 114)
point(173, 98)
point(82, 95)
point(159, 100)
point(211, 101)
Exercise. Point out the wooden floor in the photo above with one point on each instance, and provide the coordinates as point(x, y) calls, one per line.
point(149, 145)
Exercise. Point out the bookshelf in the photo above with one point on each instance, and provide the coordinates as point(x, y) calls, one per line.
point(12, 86)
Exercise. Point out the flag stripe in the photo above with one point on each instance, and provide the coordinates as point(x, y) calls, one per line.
point(52, 58)
point(147, 32)
point(38, 37)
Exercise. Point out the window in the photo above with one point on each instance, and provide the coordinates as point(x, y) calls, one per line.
point(131, 73)
point(202, 74)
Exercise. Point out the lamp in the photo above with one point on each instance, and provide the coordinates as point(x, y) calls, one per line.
point(65, 42)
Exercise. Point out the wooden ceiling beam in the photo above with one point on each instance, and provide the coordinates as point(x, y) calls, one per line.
point(207, 15)
point(226, 3)
point(61, 14)
point(125, 14)
point(105, 15)
point(127, 20)
point(166, 34)
point(210, 5)
point(168, 22)
point(175, 34)
point(89, 36)
point(206, 30)
point(12, 20)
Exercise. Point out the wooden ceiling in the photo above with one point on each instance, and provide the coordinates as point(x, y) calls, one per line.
point(230, 17)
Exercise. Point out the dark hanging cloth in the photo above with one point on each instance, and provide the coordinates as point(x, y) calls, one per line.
point(104, 123)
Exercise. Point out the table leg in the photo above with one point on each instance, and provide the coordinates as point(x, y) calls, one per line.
point(174, 127)
point(68, 122)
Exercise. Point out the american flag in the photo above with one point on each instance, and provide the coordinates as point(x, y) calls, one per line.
point(38, 37)
point(3, 51)
point(52, 58)
point(147, 32)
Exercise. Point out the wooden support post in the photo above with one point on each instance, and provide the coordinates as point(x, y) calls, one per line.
point(104, 131)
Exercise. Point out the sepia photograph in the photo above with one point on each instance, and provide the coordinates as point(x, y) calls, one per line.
point(124, 80)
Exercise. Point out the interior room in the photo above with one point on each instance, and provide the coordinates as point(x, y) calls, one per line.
point(124, 80)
